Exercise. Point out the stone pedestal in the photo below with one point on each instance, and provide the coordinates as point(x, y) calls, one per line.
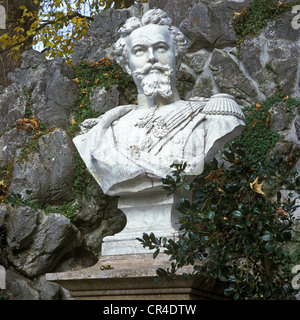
point(131, 277)
point(146, 212)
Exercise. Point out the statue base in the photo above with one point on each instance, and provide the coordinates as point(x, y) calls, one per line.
point(146, 212)
point(131, 277)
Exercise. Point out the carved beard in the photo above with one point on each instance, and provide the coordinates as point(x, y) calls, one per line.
point(155, 83)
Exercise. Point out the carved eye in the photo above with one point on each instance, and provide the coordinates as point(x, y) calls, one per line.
point(161, 48)
point(139, 51)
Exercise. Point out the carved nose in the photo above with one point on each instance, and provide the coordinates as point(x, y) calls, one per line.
point(151, 56)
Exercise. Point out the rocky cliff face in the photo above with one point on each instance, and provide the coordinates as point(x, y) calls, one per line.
point(38, 161)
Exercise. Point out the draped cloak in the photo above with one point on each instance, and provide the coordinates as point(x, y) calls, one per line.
point(130, 149)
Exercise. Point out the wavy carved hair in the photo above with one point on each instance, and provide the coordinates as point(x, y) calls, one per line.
point(154, 16)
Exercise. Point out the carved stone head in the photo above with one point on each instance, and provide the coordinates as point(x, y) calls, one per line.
point(150, 49)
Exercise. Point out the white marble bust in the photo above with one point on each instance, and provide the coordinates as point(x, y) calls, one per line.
point(133, 146)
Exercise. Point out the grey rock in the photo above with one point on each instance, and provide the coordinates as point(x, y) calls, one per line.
point(113, 221)
point(280, 119)
point(76, 260)
point(208, 25)
point(33, 67)
point(21, 225)
point(10, 141)
point(92, 212)
point(282, 148)
point(230, 78)
point(54, 94)
point(284, 57)
point(101, 35)
point(174, 8)
point(93, 240)
point(254, 55)
point(297, 127)
point(103, 100)
point(48, 173)
point(4, 213)
point(12, 105)
point(54, 237)
point(204, 86)
point(185, 81)
point(19, 288)
point(48, 290)
point(50, 81)
point(197, 60)
point(281, 28)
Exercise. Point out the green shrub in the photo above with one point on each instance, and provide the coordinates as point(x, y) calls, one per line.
point(233, 229)
point(256, 16)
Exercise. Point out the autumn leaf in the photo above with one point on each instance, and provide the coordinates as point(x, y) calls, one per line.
point(220, 190)
point(236, 14)
point(256, 187)
point(281, 212)
point(73, 121)
point(76, 80)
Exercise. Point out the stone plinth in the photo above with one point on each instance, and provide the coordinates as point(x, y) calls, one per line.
point(131, 277)
point(147, 212)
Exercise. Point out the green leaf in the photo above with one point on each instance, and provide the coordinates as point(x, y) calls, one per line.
point(162, 272)
point(248, 222)
point(266, 237)
point(270, 247)
point(228, 292)
point(238, 226)
point(210, 215)
point(153, 238)
point(155, 254)
point(182, 204)
point(237, 214)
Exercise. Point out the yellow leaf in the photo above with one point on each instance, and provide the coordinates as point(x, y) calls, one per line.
point(73, 122)
point(256, 187)
point(2, 183)
point(220, 190)
point(196, 21)
point(235, 14)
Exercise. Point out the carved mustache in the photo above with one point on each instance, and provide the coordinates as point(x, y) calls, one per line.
point(166, 69)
